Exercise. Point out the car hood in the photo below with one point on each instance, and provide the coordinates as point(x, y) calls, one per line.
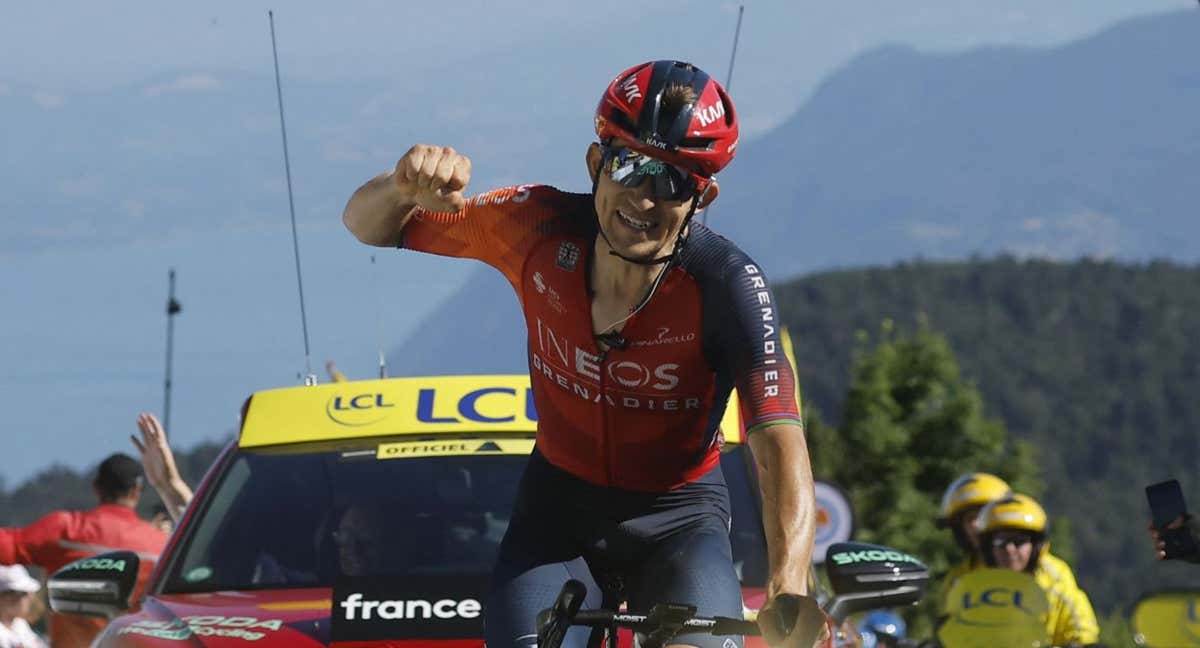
point(264, 618)
point(261, 618)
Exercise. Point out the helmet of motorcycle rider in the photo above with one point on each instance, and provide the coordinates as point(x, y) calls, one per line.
point(1015, 512)
point(963, 500)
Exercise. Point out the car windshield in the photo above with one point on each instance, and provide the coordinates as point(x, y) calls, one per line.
point(296, 519)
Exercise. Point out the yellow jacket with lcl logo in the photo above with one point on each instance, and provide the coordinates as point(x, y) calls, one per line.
point(1072, 618)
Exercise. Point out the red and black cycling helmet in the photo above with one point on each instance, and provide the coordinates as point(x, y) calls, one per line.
point(701, 135)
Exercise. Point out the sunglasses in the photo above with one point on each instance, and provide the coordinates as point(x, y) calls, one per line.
point(629, 168)
point(1015, 540)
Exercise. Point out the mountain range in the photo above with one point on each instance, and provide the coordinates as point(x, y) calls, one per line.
point(1089, 149)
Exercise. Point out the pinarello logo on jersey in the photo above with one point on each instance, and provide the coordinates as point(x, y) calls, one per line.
point(665, 337)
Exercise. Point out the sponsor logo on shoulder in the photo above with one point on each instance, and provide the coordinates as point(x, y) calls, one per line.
point(568, 256)
point(552, 296)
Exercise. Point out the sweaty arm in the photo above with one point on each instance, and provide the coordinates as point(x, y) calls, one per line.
point(767, 393)
point(789, 515)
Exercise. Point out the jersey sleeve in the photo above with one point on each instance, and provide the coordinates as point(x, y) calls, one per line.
point(499, 227)
point(753, 348)
point(35, 544)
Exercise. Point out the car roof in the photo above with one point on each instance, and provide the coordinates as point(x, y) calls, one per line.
point(428, 406)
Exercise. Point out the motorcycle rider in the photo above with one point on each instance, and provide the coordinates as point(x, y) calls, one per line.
point(964, 498)
point(1012, 533)
point(961, 504)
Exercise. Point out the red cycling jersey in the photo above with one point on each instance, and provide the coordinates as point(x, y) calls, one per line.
point(63, 537)
point(645, 414)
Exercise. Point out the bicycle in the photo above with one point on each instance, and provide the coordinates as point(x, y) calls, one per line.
point(862, 576)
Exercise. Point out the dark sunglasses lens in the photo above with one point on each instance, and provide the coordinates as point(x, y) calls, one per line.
point(629, 169)
point(671, 185)
point(1018, 541)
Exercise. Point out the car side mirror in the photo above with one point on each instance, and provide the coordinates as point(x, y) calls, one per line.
point(100, 586)
point(867, 576)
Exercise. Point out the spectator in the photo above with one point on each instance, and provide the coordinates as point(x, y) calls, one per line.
point(62, 537)
point(16, 598)
point(1160, 546)
point(335, 374)
point(160, 517)
point(159, 463)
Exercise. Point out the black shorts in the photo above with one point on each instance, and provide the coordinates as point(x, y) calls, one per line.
point(668, 547)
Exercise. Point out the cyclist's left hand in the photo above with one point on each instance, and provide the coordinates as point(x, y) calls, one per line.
point(795, 621)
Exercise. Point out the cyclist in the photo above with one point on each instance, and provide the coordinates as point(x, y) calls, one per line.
point(1012, 531)
point(640, 322)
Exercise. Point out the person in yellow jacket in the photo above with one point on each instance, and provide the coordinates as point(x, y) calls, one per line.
point(961, 504)
point(1012, 533)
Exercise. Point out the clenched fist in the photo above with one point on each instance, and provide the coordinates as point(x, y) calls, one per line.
point(433, 177)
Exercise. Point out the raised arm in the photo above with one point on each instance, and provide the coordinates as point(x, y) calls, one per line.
point(158, 462)
point(433, 177)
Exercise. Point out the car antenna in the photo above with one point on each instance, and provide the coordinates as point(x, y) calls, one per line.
point(728, 82)
point(378, 318)
point(309, 377)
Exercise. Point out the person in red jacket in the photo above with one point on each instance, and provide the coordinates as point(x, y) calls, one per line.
point(63, 537)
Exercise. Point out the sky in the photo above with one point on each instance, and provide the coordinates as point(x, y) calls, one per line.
point(88, 230)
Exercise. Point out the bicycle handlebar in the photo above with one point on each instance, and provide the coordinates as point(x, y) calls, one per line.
point(716, 625)
point(665, 621)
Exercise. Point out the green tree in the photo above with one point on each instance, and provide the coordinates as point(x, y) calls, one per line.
point(910, 426)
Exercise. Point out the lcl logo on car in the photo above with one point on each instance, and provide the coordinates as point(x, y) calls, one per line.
point(357, 409)
point(408, 607)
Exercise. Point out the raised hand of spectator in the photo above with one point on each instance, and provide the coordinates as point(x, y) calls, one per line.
point(159, 464)
point(1160, 546)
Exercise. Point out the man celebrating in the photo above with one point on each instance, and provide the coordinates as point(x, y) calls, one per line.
point(640, 322)
point(62, 537)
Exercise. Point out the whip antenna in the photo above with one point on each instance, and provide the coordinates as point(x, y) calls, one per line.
point(309, 378)
point(378, 318)
point(728, 80)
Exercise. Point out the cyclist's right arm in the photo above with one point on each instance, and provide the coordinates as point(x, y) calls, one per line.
point(432, 177)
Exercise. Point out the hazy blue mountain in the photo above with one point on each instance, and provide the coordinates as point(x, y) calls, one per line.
point(1089, 149)
point(1085, 149)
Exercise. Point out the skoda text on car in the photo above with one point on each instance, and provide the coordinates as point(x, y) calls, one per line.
point(363, 513)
